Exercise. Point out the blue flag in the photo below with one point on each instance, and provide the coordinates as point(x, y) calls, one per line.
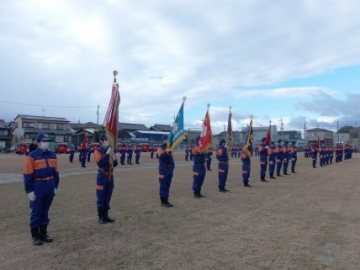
point(177, 133)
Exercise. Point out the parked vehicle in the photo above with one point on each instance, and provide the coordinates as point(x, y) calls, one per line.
point(145, 147)
point(60, 148)
point(22, 148)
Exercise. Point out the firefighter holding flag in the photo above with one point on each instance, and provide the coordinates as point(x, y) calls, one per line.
point(245, 156)
point(203, 143)
point(166, 160)
point(105, 156)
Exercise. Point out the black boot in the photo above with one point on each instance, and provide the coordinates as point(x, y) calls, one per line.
point(263, 179)
point(106, 217)
point(197, 195)
point(293, 171)
point(279, 175)
point(223, 189)
point(101, 215)
point(43, 235)
point(36, 237)
point(247, 185)
point(285, 173)
point(165, 202)
point(272, 176)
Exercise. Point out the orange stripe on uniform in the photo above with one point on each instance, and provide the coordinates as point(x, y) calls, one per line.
point(28, 165)
point(99, 187)
point(97, 156)
point(53, 163)
point(39, 164)
point(159, 151)
point(195, 173)
point(219, 152)
point(221, 171)
point(161, 176)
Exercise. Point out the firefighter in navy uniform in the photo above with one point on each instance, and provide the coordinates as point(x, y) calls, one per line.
point(129, 151)
point(122, 153)
point(104, 179)
point(272, 159)
point(286, 157)
point(166, 171)
point(314, 152)
point(137, 153)
point(246, 169)
point(152, 150)
point(187, 151)
point(71, 154)
point(279, 158)
point(293, 150)
point(263, 153)
point(199, 170)
point(209, 154)
point(41, 180)
point(88, 152)
point(223, 167)
point(32, 146)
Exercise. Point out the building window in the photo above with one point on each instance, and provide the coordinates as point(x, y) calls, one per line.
point(4, 132)
point(29, 124)
point(45, 125)
point(66, 138)
point(59, 126)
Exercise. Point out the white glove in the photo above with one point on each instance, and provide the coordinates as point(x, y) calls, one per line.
point(114, 157)
point(55, 190)
point(31, 196)
point(108, 151)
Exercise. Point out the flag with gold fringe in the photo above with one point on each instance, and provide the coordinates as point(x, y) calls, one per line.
point(229, 133)
point(268, 136)
point(177, 132)
point(248, 150)
point(111, 121)
point(206, 133)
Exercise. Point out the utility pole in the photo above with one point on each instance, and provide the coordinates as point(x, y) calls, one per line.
point(282, 128)
point(305, 133)
point(97, 114)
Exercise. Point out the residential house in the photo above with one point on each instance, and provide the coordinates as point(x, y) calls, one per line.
point(5, 135)
point(28, 126)
point(325, 136)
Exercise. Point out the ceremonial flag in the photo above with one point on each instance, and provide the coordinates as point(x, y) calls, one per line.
point(248, 146)
point(177, 133)
point(84, 143)
point(268, 136)
point(111, 120)
point(318, 142)
point(206, 134)
point(229, 133)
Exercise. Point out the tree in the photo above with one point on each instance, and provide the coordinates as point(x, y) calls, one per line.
point(97, 134)
point(345, 129)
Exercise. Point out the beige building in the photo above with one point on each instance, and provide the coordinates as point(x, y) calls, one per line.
point(28, 126)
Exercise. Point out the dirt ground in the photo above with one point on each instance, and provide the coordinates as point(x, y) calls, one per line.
point(308, 220)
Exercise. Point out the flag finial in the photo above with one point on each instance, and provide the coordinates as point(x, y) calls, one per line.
point(230, 109)
point(184, 98)
point(115, 73)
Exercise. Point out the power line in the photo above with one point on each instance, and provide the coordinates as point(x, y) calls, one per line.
point(48, 106)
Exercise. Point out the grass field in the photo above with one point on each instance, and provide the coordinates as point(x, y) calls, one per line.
point(308, 220)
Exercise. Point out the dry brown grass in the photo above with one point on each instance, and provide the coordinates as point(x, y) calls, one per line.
point(308, 220)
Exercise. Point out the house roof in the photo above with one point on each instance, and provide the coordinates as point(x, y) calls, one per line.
point(318, 129)
point(39, 118)
point(161, 127)
point(49, 131)
point(130, 126)
point(78, 126)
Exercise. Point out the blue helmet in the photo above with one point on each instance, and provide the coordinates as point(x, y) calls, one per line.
point(286, 142)
point(279, 140)
point(197, 138)
point(165, 137)
point(293, 143)
point(263, 139)
point(272, 142)
point(42, 137)
point(102, 137)
point(222, 141)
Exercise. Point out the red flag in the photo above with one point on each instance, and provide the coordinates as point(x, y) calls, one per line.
point(206, 134)
point(229, 134)
point(84, 143)
point(318, 142)
point(111, 120)
point(268, 136)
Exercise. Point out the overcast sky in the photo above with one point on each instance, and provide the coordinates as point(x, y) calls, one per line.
point(298, 61)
